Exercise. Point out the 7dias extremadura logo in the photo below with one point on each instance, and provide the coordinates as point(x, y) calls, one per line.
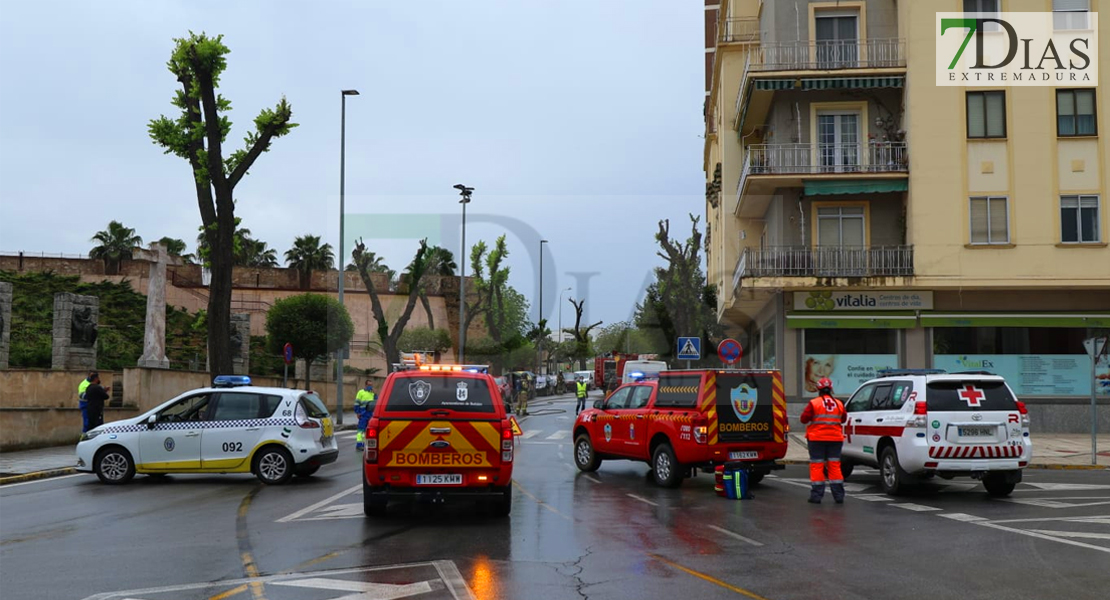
point(1011, 49)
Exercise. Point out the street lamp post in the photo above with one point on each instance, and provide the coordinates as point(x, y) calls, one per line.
point(539, 318)
point(561, 314)
point(465, 193)
point(342, 262)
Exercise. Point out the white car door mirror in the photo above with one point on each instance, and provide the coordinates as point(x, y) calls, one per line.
point(152, 420)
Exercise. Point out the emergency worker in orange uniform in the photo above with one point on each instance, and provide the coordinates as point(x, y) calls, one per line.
point(824, 417)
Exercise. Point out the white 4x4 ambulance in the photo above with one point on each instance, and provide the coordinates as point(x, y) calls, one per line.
point(916, 423)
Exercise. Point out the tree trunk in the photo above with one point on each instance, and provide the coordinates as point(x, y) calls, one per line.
point(219, 318)
point(308, 373)
point(427, 309)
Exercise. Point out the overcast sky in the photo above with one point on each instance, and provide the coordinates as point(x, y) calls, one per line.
point(577, 122)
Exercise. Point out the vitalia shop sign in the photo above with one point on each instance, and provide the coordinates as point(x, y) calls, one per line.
point(829, 301)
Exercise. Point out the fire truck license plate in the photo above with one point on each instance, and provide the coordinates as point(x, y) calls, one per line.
point(747, 454)
point(439, 479)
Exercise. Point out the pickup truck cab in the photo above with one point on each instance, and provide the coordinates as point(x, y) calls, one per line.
point(685, 420)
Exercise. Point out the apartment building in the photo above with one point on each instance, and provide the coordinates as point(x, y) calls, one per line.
point(862, 217)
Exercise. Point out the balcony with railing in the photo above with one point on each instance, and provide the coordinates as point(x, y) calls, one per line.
point(824, 261)
point(739, 30)
point(781, 165)
point(887, 53)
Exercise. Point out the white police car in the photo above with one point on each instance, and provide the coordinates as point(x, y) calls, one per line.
point(918, 423)
point(231, 427)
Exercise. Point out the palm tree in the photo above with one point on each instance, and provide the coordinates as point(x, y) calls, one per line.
point(115, 245)
point(255, 253)
point(440, 263)
point(375, 264)
point(307, 255)
point(176, 247)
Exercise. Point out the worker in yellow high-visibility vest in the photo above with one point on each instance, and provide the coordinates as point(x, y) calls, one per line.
point(364, 408)
point(84, 385)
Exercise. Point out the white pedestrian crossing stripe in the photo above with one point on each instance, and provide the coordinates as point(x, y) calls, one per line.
point(531, 433)
point(558, 435)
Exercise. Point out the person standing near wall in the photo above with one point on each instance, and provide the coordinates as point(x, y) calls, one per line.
point(84, 385)
point(95, 397)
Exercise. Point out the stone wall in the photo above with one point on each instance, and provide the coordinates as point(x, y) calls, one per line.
point(38, 408)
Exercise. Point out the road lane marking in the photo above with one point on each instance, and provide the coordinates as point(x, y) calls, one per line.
point(1040, 536)
point(540, 502)
point(592, 477)
point(1100, 519)
point(529, 434)
point(961, 517)
point(1071, 487)
point(242, 537)
point(1055, 502)
point(307, 564)
point(449, 573)
point(644, 500)
point(735, 535)
point(1074, 534)
point(325, 502)
point(708, 578)
point(558, 435)
point(914, 507)
point(367, 591)
point(229, 593)
point(873, 497)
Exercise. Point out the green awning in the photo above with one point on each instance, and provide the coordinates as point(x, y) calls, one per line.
point(1014, 320)
point(829, 83)
point(850, 322)
point(856, 186)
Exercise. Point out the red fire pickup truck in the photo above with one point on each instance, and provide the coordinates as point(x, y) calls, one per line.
point(688, 419)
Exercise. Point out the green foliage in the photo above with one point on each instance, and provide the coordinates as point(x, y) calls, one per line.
point(122, 323)
point(308, 255)
point(424, 338)
point(176, 247)
point(263, 360)
point(197, 62)
point(246, 251)
point(625, 337)
point(680, 302)
point(114, 245)
point(316, 325)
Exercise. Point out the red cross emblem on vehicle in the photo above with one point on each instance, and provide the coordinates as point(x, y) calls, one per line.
point(972, 395)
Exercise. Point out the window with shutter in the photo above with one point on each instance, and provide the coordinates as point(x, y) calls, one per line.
point(990, 222)
point(986, 114)
point(1070, 14)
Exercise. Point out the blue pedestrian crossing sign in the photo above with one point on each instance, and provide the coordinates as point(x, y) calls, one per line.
point(689, 348)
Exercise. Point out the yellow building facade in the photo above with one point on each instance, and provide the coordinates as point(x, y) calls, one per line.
point(862, 217)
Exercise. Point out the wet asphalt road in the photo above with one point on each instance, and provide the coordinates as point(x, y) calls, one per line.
point(611, 534)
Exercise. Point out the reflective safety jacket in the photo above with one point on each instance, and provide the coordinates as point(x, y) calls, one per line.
point(825, 417)
point(582, 389)
point(364, 401)
point(82, 387)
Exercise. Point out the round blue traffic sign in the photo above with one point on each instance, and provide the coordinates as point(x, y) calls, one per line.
point(729, 351)
point(288, 353)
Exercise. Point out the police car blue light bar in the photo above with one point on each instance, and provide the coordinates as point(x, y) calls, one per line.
point(231, 380)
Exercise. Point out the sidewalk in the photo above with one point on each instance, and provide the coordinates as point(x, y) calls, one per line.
point(1050, 451)
point(28, 465)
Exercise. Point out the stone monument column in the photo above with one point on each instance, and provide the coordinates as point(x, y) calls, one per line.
point(154, 340)
point(75, 331)
point(5, 322)
point(241, 343)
